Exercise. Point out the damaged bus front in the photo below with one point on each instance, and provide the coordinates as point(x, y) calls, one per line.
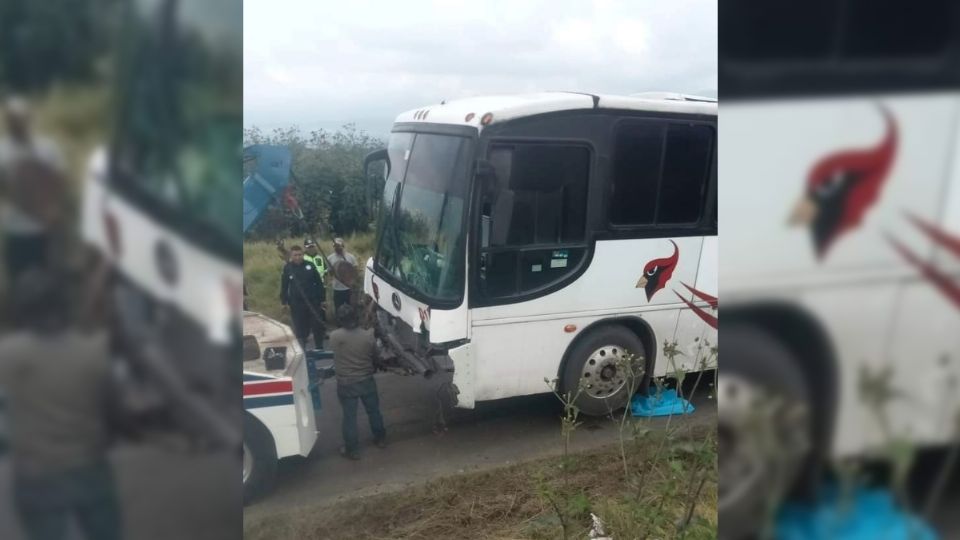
point(418, 274)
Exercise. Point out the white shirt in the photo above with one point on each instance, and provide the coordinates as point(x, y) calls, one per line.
point(14, 220)
point(334, 258)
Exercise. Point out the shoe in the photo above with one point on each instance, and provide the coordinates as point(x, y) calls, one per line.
point(354, 456)
point(380, 443)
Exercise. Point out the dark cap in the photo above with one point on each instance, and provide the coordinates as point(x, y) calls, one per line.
point(347, 316)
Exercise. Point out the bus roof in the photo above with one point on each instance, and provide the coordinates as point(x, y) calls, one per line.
point(470, 111)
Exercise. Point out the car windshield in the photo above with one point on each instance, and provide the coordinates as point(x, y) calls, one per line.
point(178, 143)
point(422, 233)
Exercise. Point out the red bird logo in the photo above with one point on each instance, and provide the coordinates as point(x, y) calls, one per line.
point(843, 186)
point(657, 272)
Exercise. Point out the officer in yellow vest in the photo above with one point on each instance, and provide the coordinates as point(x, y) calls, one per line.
point(313, 256)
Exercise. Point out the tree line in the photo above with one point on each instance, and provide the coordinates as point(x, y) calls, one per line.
point(328, 180)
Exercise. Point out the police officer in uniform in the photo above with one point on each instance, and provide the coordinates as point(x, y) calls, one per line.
point(301, 290)
point(314, 257)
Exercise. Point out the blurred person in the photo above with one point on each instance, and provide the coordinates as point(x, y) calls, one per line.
point(55, 381)
point(354, 360)
point(341, 291)
point(301, 290)
point(31, 175)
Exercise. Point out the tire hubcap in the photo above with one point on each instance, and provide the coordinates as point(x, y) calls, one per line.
point(605, 372)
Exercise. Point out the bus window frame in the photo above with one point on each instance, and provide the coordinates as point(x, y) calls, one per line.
point(478, 298)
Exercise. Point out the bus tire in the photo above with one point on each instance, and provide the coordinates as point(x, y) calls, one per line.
point(596, 360)
point(764, 428)
point(259, 459)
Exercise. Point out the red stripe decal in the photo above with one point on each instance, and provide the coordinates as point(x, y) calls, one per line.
point(699, 312)
point(712, 300)
point(938, 235)
point(273, 387)
point(950, 290)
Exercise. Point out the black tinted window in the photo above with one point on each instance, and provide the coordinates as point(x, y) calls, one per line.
point(685, 168)
point(541, 194)
point(828, 30)
point(773, 30)
point(832, 47)
point(660, 173)
point(638, 153)
point(533, 216)
point(889, 29)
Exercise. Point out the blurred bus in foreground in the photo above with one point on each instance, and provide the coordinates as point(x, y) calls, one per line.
point(840, 205)
point(162, 207)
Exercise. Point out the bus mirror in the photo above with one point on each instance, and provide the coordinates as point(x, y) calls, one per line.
point(372, 182)
point(373, 157)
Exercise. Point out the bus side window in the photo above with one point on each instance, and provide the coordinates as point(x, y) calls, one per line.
point(534, 220)
point(660, 173)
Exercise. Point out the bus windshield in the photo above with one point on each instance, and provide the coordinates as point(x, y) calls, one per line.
point(422, 234)
point(177, 146)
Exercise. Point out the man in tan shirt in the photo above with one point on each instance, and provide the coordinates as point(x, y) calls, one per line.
point(55, 382)
point(354, 357)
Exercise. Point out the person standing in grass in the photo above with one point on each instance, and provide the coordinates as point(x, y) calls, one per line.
point(34, 191)
point(355, 360)
point(341, 291)
point(313, 255)
point(302, 292)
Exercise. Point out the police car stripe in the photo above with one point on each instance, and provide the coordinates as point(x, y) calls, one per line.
point(247, 377)
point(267, 401)
point(269, 387)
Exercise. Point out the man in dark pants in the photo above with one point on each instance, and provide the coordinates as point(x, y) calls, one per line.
point(302, 291)
point(354, 358)
point(30, 167)
point(340, 255)
point(55, 380)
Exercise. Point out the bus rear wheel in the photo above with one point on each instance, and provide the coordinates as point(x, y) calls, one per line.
point(764, 427)
point(259, 459)
point(603, 370)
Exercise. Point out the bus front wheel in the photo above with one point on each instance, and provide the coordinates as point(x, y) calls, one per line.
point(603, 370)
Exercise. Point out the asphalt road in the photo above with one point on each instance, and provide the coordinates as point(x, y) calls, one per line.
point(165, 492)
point(169, 493)
point(492, 435)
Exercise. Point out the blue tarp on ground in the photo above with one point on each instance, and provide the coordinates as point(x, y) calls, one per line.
point(870, 514)
point(666, 404)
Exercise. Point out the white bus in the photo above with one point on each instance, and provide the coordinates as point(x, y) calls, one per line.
point(840, 196)
point(542, 236)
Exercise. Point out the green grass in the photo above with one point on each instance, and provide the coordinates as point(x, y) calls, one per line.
point(515, 502)
point(262, 266)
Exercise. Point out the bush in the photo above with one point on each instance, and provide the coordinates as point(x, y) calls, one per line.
point(328, 182)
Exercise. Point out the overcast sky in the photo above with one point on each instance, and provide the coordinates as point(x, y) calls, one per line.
point(320, 64)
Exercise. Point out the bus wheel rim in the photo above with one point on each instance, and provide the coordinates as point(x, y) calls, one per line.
point(603, 372)
point(758, 453)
